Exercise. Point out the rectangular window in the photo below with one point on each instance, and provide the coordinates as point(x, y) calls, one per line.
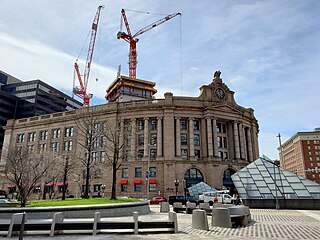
point(43, 147)
point(103, 141)
point(153, 139)
point(140, 139)
point(56, 133)
point(219, 139)
point(127, 155)
point(153, 153)
point(68, 132)
point(97, 188)
point(196, 139)
point(124, 187)
point(220, 154)
point(184, 153)
point(31, 148)
point(102, 156)
point(183, 124)
point(196, 125)
point(225, 142)
point(140, 125)
point(184, 139)
point(152, 187)
point(32, 136)
point(138, 172)
point(125, 172)
point(20, 138)
point(97, 174)
point(153, 124)
point(153, 172)
point(225, 155)
point(137, 187)
point(55, 147)
point(43, 135)
point(140, 154)
point(68, 145)
point(96, 143)
point(95, 156)
point(197, 153)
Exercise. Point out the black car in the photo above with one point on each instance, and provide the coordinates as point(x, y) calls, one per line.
point(182, 199)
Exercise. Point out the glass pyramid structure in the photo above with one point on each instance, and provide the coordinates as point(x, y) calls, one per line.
point(200, 188)
point(264, 180)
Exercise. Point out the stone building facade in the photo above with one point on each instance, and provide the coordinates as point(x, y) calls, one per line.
point(184, 140)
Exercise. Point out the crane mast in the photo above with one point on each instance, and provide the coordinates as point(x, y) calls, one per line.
point(132, 40)
point(81, 91)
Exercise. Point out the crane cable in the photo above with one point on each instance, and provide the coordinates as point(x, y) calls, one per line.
point(180, 55)
point(84, 44)
point(161, 14)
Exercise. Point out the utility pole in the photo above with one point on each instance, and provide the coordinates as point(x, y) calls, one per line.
point(281, 156)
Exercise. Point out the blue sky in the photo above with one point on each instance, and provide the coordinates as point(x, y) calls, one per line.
point(268, 52)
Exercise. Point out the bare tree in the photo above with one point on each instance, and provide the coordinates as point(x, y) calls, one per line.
point(118, 134)
point(91, 130)
point(25, 170)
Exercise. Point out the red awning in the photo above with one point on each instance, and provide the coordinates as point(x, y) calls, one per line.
point(60, 184)
point(153, 181)
point(37, 185)
point(11, 185)
point(49, 184)
point(137, 181)
point(123, 182)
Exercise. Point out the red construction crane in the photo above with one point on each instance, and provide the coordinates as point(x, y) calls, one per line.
point(132, 40)
point(81, 91)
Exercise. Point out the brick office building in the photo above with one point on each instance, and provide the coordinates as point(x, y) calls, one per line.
point(195, 139)
point(301, 154)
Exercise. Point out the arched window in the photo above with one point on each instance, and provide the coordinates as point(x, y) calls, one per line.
point(193, 176)
point(227, 181)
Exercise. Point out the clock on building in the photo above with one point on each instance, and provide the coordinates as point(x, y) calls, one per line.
point(220, 93)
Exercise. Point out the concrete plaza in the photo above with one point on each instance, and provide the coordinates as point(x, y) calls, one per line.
point(266, 224)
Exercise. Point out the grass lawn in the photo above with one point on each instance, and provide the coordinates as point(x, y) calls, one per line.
point(77, 201)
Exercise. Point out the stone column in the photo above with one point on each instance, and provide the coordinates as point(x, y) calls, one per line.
point(168, 133)
point(242, 142)
point(191, 138)
point(215, 138)
point(159, 137)
point(249, 145)
point(133, 138)
point(209, 132)
point(178, 138)
point(146, 137)
point(236, 140)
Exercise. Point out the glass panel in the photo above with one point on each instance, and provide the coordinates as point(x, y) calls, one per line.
point(250, 187)
point(257, 177)
point(244, 174)
point(241, 190)
point(254, 194)
point(264, 190)
point(288, 190)
point(284, 183)
point(287, 173)
point(267, 196)
point(278, 194)
point(254, 171)
point(293, 179)
point(302, 193)
point(247, 180)
point(309, 183)
point(297, 186)
point(262, 168)
point(271, 170)
point(252, 166)
point(315, 189)
point(265, 174)
point(268, 180)
point(235, 177)
point(261, 183)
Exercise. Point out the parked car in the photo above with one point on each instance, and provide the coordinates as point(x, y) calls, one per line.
point(182, 199)
point(157, 200)
point(3, 200)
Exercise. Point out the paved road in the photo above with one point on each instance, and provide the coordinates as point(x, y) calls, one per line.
point(266, 224)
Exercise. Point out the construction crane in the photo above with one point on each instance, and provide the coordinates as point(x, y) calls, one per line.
point(81, 91)
point(132, 40)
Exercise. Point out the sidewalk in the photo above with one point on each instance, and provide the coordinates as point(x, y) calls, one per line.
point(266, 224)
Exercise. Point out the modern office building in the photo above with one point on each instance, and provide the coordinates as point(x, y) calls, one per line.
point(301, 154)
point(20, 99)
point(179, 139)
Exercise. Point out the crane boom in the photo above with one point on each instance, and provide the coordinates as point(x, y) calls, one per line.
point(82, 90)
point(132, 40)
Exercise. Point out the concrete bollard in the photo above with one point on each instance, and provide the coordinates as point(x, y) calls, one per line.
point(221, 217)
point(200, 220)
point(164, 207)
point(240, 210)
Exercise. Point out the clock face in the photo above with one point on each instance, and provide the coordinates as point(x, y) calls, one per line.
point(220, 93)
